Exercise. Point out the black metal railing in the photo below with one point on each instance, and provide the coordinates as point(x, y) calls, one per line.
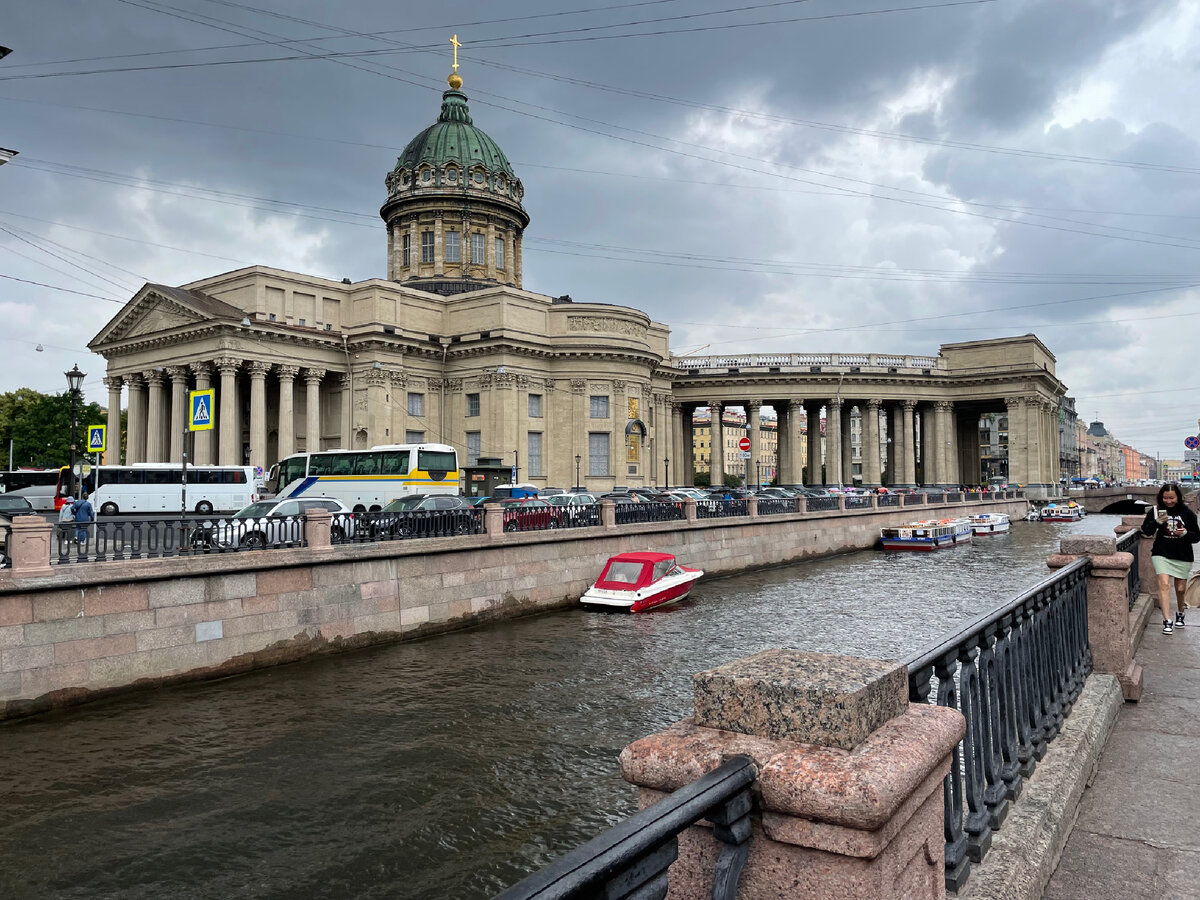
point(1014, 674)
point(719, 509)
point(539, 518)
point(1128, 543)
point(822, 504)
point(858, 501)
point(888, 500)
point(126, 539)
point(372, 527)
point(631, 513)
point(935, 497)
point(631, 859)
point(583, 515)
point(913, 499)
point(953, 497)
point(5, 545)
point(774, 506)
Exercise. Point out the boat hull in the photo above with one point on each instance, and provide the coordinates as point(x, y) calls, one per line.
point(990, 523)
point(918, 544)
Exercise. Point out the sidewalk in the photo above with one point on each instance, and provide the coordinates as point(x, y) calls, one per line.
point(1138, 831)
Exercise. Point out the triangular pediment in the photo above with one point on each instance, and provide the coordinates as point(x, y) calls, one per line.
point(158, 309)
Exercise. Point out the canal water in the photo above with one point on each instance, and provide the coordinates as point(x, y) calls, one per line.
point(444, 768)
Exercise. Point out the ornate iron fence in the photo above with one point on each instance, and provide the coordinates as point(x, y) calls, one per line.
point(953, 497)
point(857, 501)
point(822, 504)
point(935, 497)
point(719, 509)
point(1128, 543)
point(126, 539)
point(1014, 674)
point(913, 499)
point(584, 515)
point(631, 859)
point(533, 518)
point(774, 506)
point(656, 511)
point(371, 527)
point(888, 500)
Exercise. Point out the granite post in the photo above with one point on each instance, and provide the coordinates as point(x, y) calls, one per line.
point(29, 545)
point(1108, 607)
point(1145, 564)
point(849, 773)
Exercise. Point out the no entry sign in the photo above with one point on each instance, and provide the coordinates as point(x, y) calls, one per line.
point(744, 444)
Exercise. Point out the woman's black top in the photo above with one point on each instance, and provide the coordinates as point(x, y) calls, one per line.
point(1168, 547)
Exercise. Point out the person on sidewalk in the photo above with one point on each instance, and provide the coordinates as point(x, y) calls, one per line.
point(84, 517)
point(1175, 529)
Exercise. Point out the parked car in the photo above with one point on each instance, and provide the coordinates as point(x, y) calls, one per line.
point(426, 514)
point(531, 514)
point(577, 509)
point(271, 523)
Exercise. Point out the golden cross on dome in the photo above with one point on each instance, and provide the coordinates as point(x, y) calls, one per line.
point(455, 44)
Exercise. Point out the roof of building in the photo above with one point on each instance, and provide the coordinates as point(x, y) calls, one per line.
point(454, 138)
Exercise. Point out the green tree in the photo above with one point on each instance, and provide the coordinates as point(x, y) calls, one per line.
point(39, 426)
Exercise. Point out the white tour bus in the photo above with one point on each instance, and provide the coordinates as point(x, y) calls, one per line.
point(158, 487)
point(368, 479)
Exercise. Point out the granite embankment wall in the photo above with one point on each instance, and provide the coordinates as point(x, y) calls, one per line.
point(85, 631)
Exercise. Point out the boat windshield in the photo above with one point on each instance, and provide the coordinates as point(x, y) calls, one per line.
point(624, 572)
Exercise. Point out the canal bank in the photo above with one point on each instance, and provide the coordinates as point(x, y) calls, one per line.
point(87, 631)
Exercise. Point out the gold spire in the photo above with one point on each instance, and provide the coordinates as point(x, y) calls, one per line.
point(454, 80)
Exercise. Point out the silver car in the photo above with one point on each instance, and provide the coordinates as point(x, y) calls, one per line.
point(271, 523)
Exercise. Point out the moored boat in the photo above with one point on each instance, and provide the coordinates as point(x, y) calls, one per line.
point(918, 536)
point(989, 523)
point(1062, 512)
point(962, 530)
point(635, 582)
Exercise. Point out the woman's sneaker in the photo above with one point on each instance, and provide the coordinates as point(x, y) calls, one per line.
point(1168, 628)
point(1179, 623)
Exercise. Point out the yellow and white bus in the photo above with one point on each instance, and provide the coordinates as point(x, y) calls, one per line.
point(368, 480)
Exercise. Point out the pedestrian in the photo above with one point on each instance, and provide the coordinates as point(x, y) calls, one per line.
point(1175, 529)
point(84, 516)
point(66, 515)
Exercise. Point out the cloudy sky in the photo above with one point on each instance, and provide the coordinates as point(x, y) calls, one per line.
point(809, 175)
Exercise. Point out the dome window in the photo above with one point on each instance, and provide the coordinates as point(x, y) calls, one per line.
point(425, 175)
point(452, 175)
point(479, 178)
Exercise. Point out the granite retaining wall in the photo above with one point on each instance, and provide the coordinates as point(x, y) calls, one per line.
point(90, 630)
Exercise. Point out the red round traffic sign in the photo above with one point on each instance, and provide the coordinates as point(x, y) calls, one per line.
point(744, 444)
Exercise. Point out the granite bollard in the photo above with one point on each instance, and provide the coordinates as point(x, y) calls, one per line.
point(849, 777)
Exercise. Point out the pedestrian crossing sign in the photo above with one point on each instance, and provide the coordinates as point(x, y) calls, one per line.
point(97, 438)
point(202, 410)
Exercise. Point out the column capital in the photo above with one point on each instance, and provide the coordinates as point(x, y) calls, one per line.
point(113, 382)
point(1010, 402)
point(258, 369)
point(835, 404)
point(288, 373)
point(311, 375)
point(944, 404)
point(793, 405)
point(153, 377)
point(201, 369)
point(873, 404)
point(346, 381)
point(908, 405)
point(716, 404)
point(227, 365)
point(375, 376)
point(134, 380)
point(578, 385)
point(178, 374)
point(753, 404)
point(400, 379)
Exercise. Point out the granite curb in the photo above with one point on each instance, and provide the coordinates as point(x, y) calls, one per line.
point(1026, 851)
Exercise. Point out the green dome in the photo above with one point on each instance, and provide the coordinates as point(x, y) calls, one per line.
point(453, 138)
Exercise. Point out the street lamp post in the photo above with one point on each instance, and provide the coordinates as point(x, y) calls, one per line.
point(74, 384)
point(578, 460)
point(667, 471)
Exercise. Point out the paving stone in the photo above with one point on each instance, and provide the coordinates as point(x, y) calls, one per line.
point(1181, 876)
point(1122, 805)
point(1130, 871)
point(1174, 756)
point(1169, 715)
point(1178, 682)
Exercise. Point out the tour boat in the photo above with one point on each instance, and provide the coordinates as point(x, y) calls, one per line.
point(963, 532)
point(989, 523)
point(1062, 512)
point(636, 582)
point(918, 536)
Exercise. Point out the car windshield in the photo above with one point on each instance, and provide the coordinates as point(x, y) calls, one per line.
point(254, 510)
point(14, 504)
point(403, 504)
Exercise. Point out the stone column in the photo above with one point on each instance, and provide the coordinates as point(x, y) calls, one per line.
point(258, 412)
point(716, 465)
point(833, 443)
point(782, 462)
point(156, 403)
point(795, 442)
point(414, 249)
point(847, 444)
point(1107, 607)
point(812, 419)
point(312, 409)
point(135, 441)
point(509, 256)
point(848, 801)
point(953, 466)
point(203, 440)
point(941, 440)
point(229, 421)
point(687, 447)
point(870, 440)
point(287, 415)
point(891, 443)
point(754, 432)
point(179, 410)
point(346, 440)
point(1018, 470)
point(439, 251)
point(908, 468)
point(517, 263)
point(490, 250)
point(112, 456)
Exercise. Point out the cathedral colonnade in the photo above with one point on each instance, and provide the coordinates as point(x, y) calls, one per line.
point(260, 413)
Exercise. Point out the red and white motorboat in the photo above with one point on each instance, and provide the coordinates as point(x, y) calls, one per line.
point(636, 582)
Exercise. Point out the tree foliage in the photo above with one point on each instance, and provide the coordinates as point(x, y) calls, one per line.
point(39, 426)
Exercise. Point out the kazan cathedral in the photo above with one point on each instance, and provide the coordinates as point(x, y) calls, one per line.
point(450, 348)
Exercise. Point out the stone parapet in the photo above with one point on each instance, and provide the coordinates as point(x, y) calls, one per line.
point(1145, 563)
point(29, 546)
point(847, 818)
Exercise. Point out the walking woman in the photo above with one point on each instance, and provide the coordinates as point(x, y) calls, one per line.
point(1175, 529)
